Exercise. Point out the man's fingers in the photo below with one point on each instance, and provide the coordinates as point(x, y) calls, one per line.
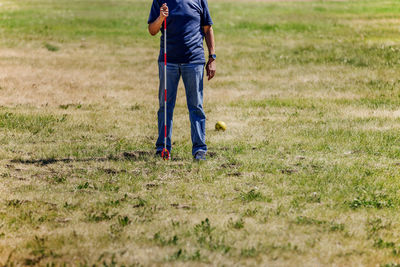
point(210, 68)
point(164, 10)
point(212, 74)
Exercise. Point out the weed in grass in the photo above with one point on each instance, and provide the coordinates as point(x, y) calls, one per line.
point(183, 255)
point(380, 243)
point(116, 231)
point(250, 212)
point(248, 252)
point(377, 201)
point(204, 228)
point(284, 248)
point(396, 251)
point(177, 224)
point(66, 106)
point(51, 48)
point(38, 246)
point(15, 202)
point(135, 107)
point(111, 263)
point(208, 238)
point(145, 214)
point(58, 179)
point(110, 187)
point(173, 241)
point(252, 195)
point(238, 224)
point(117, 202)
point(140, 202)
point(375, 226)
point(83, 186)
point(70, 206)
point(330, 226)
point(39, 250)
point(123, 220)
point(98, 216)
point(314, 197)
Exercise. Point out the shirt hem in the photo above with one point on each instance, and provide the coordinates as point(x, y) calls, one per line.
point(190, 62)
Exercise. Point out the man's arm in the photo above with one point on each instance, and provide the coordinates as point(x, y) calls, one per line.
point(155, 26)
point(211, 64)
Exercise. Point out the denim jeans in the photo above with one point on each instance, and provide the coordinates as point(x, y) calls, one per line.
point(192, 76)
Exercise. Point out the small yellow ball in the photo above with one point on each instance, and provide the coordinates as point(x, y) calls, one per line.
point(220, 126)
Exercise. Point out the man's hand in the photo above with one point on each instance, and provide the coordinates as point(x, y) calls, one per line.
point(211, 68)
point(155, 26)
point(164, 12)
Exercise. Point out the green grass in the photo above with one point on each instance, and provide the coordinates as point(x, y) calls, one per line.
point(307, 172)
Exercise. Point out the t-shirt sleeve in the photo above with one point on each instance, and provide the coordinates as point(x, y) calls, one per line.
point(154, 12)
point(205, 15)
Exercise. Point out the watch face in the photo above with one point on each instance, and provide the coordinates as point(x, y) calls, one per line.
point(213, 56)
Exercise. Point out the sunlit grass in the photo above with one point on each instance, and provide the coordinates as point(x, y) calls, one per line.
point(307, 172)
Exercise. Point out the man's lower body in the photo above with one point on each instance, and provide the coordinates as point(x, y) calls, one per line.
point(192, 76)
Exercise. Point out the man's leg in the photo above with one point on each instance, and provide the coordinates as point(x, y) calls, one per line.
point(173, 75)
point(192, 76)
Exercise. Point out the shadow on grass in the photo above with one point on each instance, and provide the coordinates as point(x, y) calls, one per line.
point(127, 155)
point(132, 155)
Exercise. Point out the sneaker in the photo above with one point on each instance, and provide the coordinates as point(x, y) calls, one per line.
point(158, 154)
point(201, 155)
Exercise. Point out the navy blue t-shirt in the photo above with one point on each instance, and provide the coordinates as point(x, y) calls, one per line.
point(184, 29)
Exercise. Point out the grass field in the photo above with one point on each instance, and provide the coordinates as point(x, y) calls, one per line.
point(306, 174)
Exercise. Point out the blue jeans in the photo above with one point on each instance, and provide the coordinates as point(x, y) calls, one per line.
point(192, 76)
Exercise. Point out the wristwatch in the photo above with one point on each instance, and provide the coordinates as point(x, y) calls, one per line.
point(213, 56)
